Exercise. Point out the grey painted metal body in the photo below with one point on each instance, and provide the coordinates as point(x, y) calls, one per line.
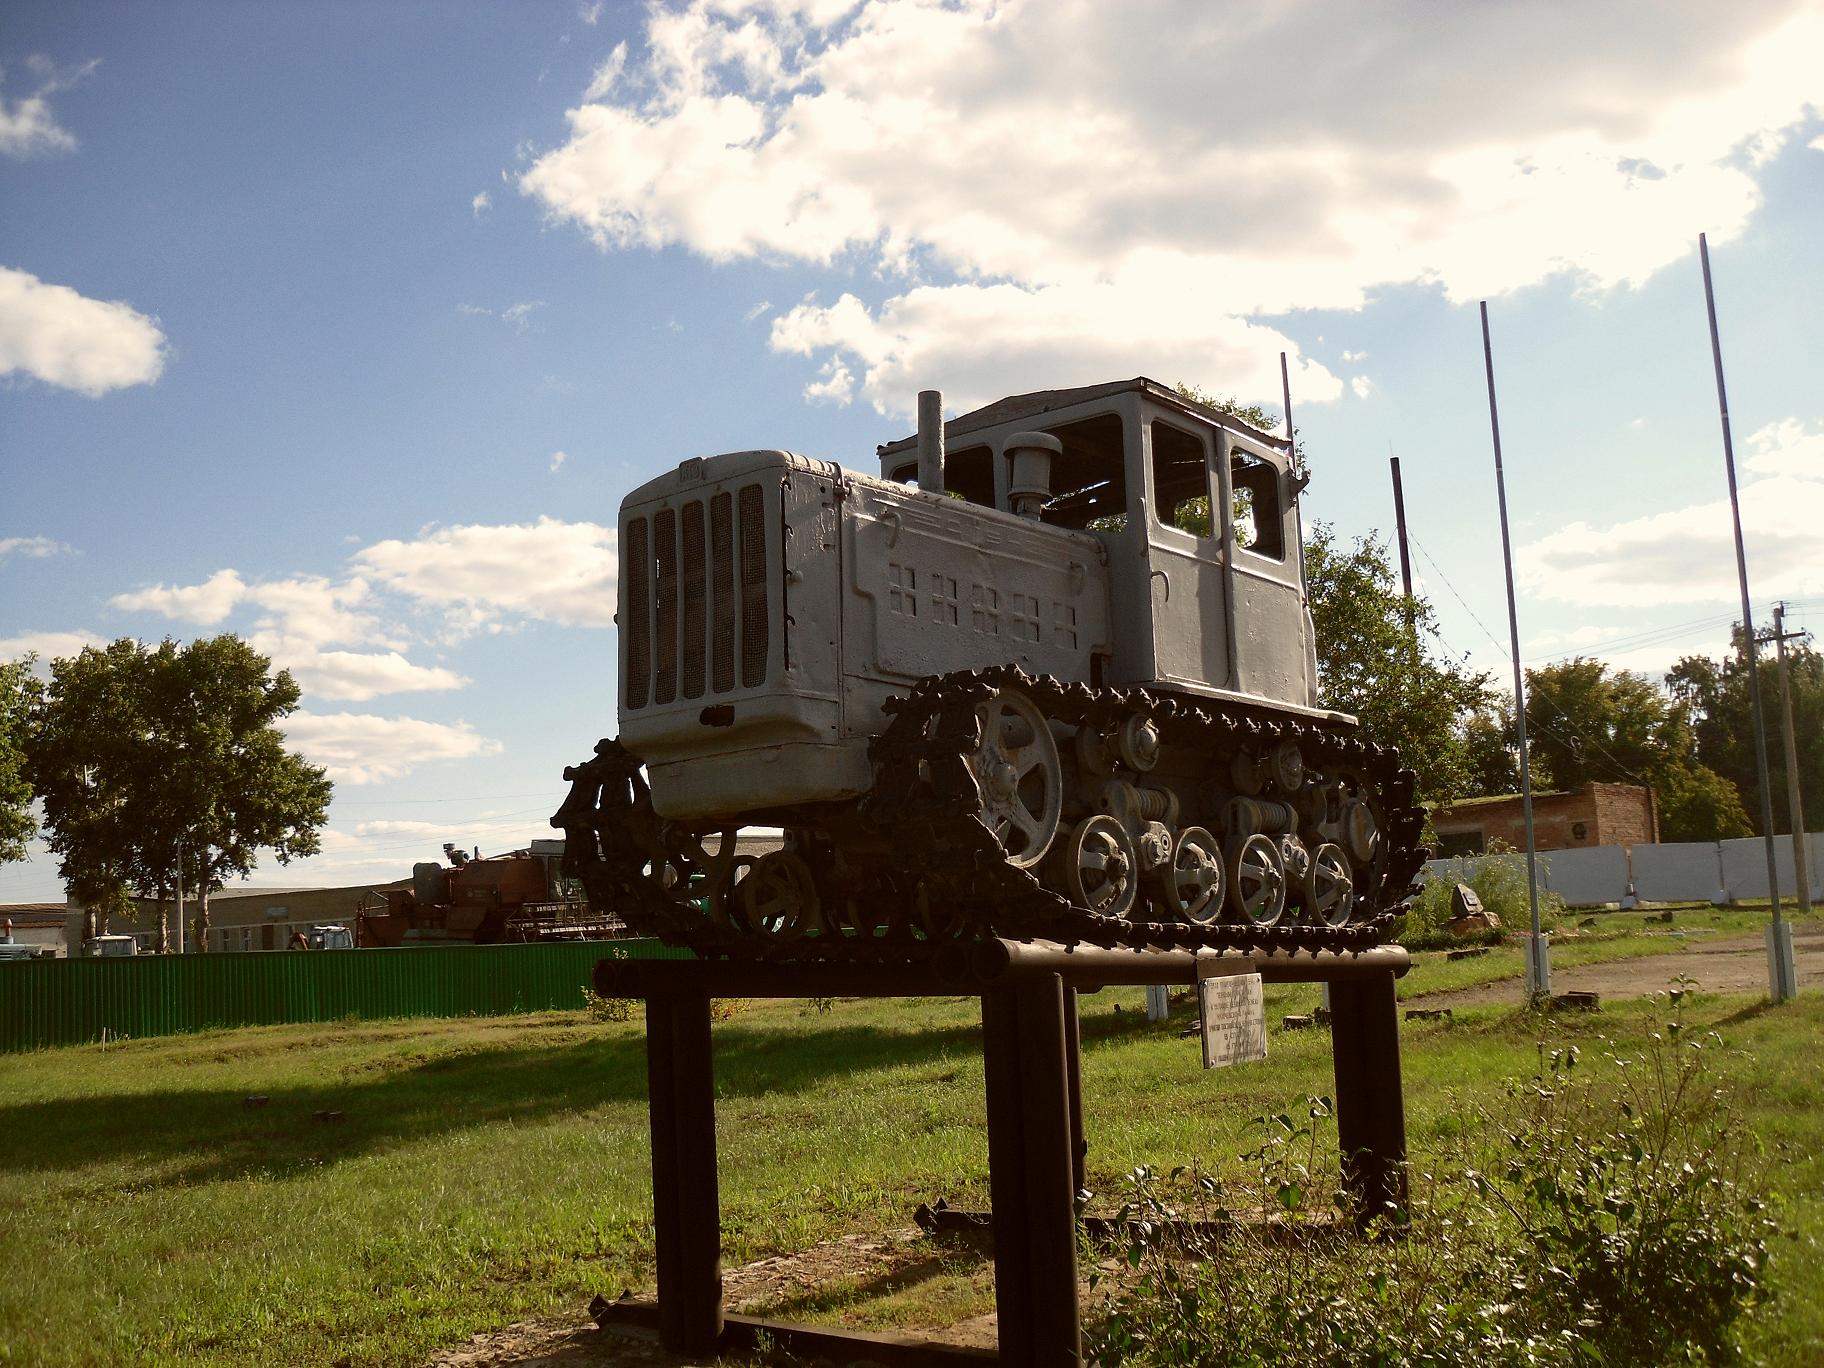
point(864, 586)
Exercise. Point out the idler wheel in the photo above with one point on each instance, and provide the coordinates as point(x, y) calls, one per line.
point(1193, 879)
point(695, 865)
point(1329, 886)
point(1288, 766)
point(1257, 881)
point(1016, 768)
point(1100, 871)
point(778, 898)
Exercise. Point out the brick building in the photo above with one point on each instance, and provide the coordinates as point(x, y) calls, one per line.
point(1594, 815)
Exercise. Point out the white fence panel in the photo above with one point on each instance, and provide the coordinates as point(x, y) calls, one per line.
point(1686, 872)
point(1583, 878)
point(1692, 871)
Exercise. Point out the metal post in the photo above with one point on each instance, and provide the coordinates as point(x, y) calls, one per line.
point(662, 1107)
point(1399, 523)
point(1051, 1217)
point(686, 1206)
point(1013, 1299)
point(1779, 965)
point(1538, 955)
point(1795, 802)
point(1370, 1107)
point(180, 897)
point(1073, 1072)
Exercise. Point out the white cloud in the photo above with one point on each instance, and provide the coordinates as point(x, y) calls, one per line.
point(1687, 555)
point(763, 307)
point(355, 676)
point(477, 575)
point(361, 748)
point(34, 548)
point(205, 604)
point(602, 84)
point(557, 460)
point(481, 202)
point(977, 343)
point(1354, 357)
point(519, 316)
point(1788, 447)
point(47, 646)
point(1361, 386)
point(27, 126)
point(54, 334)
point(835, 384)
point(589, 13)
point(1039, 165)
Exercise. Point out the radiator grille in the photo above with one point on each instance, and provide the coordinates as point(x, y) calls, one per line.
point(722, 587)
point(665, 544)
point(696, 578)
point(636, 600)
point(753, 587)
point(694, 617)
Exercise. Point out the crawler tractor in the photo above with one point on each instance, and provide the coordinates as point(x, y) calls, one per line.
point(1052, 675)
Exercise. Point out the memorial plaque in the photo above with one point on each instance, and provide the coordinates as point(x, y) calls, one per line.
point(1234, 1013)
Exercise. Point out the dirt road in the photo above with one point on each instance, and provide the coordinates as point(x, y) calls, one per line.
point(1735, 965)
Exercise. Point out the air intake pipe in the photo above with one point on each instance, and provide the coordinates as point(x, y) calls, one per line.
point(1030, 486)
point(931, 441)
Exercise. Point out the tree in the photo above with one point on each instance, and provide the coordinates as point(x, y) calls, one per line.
point(1715, 695)
point(1588, 724)
point(17, 692)
point(142, 754)
point(1375, 659)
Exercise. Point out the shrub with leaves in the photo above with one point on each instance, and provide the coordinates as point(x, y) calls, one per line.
point(1639, 1205)
point(608, 1009)
point(1619, 1225)
point(1499, 879)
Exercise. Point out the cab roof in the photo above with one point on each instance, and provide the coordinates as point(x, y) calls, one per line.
point(1018, 407)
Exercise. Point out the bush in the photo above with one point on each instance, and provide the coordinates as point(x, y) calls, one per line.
point(1499, 879)
point(608, 1009)
point(1617, 1225)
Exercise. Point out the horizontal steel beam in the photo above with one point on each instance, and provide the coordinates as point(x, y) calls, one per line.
point(987, 964)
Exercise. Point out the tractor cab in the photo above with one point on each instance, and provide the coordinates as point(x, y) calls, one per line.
point(1198, 511)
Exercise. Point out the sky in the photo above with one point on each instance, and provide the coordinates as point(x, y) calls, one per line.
point(346, 327)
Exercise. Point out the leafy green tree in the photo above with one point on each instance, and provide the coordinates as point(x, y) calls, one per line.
point(141, 754)
point(1376, 658)
point(1715, 694)
point(1587, 724)
point(17, 692)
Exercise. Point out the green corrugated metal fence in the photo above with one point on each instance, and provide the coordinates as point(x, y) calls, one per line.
point(71, 1002)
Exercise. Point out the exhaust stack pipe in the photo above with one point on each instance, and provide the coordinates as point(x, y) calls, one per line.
point(931, 441)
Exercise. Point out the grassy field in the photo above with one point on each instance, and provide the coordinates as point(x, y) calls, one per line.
point(488, 1170)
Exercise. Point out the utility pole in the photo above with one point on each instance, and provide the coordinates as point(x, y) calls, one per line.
point(1538, 953)
point(1794, 802)
point(1782, 975)
point(180, 897)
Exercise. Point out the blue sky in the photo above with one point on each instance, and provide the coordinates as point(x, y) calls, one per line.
point(347, 326)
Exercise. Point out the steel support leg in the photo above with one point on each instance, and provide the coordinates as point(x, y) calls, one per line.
point(1051, 1218)
point(1073, 1072)
point(1370, 1106)
point(1013, 1298)
point(686, 1207)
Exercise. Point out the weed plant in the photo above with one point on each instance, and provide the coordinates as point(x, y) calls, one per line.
point(1500, 882)
point(1618, 1222)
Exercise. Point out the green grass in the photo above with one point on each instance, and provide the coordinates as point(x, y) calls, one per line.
point(490, 1170)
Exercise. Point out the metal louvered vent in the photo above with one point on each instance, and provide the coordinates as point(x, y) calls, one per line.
point(696, 575)
point(636, 605)
point(665, 547)
point(722, 587)
point(752, 504)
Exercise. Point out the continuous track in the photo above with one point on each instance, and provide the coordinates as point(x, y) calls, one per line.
point(944, 876)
